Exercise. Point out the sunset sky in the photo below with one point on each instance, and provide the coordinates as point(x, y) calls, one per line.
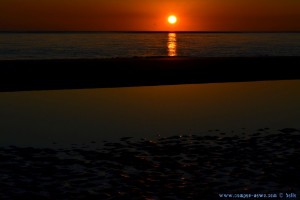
point(149, 15)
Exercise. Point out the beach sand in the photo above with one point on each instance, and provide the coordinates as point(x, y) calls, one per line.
point(20, 75)
point(178, 167)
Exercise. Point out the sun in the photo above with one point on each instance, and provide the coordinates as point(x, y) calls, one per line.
point(172, 19)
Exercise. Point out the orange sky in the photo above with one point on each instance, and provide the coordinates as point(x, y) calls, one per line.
point(149, 15)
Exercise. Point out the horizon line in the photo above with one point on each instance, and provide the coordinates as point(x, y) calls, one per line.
point(76, 31)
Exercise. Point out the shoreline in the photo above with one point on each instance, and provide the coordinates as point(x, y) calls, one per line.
point(29, 75)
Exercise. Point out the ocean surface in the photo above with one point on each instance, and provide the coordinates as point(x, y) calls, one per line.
point(192, 141)
point(110, 45)
point(39, 118)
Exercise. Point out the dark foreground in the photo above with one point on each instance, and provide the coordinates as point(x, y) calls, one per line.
point(178, 167)
point(123, 72)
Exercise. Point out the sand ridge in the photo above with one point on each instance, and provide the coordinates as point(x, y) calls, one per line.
point(24, 75)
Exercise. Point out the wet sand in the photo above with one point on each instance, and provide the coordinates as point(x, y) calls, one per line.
point(177, 167)
point(22, 75)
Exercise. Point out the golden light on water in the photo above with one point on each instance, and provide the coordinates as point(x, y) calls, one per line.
point(172, 44)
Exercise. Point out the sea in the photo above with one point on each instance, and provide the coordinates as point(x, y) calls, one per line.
point(193, 141)
point(75, 45)
point(60, 118)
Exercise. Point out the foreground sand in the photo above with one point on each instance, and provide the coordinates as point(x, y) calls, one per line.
point(122, 72)
point(178, 167)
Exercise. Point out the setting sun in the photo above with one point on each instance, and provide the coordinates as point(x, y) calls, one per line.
point(172, 19)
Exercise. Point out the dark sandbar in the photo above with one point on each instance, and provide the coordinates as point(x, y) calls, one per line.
point(22, 75)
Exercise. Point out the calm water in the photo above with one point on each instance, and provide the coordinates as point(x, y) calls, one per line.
point(80, 116)
point(108, 45)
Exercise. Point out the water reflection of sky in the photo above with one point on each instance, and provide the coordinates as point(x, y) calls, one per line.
point(172, 44)
point(111, 45)
point(75, 116)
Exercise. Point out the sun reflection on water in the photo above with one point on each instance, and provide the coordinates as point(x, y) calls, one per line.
point(172, 44)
